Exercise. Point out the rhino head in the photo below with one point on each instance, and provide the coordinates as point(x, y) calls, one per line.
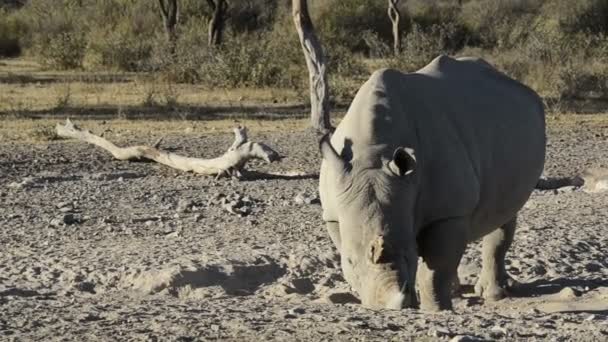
point(374, 204)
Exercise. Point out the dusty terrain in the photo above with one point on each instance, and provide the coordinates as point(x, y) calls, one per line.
point(98, 249)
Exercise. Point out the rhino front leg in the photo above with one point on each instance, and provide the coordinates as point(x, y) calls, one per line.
point(441, 246)
point(494, 279)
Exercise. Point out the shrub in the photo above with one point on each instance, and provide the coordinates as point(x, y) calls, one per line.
point(11, 28)
point(420, 46)
point(586, 16)
point(63, 50)
point(119, 48)
point(340, 23)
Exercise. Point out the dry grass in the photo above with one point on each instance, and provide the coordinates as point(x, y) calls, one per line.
point(25, 87)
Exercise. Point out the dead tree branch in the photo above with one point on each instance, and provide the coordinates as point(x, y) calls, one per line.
point(395, 16)
point(170, 13)
point(231, 163)
point(216, 22)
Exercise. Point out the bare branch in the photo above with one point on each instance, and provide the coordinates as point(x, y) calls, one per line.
point(230, 163)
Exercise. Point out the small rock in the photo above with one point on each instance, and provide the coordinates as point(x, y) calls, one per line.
point(439, 332)
point(498, 332)
point(567, 293)
point(184, 206)
point(590, 318)
point(464, 338)
point(85, 286)
point(299, 199)
point(539, 270)
point(593, 267)
point(69, 219)
point(302, 285)
point(88, 317)
point(342, 298)
point(297, 311)
point(63, 204)
point(173, 234)
point(55, 222)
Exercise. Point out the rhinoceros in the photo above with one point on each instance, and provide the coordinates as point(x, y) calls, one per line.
point(422, 164)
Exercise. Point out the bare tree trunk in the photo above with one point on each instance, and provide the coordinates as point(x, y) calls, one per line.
point(395, 15)
point(231, 163)
point(170, 12)
point(317, 69)
point(216, 23)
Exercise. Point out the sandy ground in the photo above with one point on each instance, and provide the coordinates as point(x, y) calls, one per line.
point(97, 249)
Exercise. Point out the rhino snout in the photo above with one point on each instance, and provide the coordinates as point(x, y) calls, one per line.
point(386, 292)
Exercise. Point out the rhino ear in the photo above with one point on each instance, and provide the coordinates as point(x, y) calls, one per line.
point(404, 161)
point(330, 155)
point(380, 251)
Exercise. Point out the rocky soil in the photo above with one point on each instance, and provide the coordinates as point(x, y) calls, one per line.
point(98, 249)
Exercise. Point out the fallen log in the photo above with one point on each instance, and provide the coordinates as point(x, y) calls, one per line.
point(231, 163)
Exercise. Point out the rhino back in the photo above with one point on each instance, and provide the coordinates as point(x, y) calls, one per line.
point(479, 137)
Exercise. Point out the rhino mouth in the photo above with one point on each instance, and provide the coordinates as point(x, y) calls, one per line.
point(386, 291)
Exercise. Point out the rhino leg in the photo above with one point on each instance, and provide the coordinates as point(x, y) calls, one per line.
point(494, 279)
point(441, 246)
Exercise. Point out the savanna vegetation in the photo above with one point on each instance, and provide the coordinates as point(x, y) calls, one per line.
point(558, 47)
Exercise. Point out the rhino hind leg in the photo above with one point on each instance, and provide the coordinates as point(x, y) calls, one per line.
point(494, 281)
point(441, 246)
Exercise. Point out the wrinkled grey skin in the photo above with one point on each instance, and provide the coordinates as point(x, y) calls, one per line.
point(421, 165)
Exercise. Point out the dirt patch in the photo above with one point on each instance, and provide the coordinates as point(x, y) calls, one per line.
point(98, 249)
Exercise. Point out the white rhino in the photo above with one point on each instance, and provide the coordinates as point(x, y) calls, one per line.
point(422, 164)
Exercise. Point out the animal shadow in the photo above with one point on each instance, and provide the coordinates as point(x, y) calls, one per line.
point(235, 280)
point(548, 287)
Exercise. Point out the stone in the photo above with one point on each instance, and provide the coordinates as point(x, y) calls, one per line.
point(592, 267)
point(498, 332)
point(69, 219)
point(464, 338)
point(439, 332)
point(297, 311)
point(568, 293)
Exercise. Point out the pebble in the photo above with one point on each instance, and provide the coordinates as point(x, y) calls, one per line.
point(567, 293)
point(342, 298)
point(593, 267)
point(498, 332)
point(297, 311)
point(539, 270)
point(184, 206)
point(69, 219)
point(464, 338)
point(439, 332)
